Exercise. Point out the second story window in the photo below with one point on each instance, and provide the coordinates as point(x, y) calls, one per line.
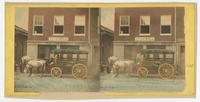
point(38, 22)
point(144, 25)
point(124, 25)
point(165, 25)
point(79, 26)
point(58, 25)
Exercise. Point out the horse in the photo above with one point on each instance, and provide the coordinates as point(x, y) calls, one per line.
point(22, 63)
point(25, 59)
point(33, 64)
point(111, 61)
point(119, 65)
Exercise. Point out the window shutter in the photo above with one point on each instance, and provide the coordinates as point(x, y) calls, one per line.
point(80, 20)
point(166, 20)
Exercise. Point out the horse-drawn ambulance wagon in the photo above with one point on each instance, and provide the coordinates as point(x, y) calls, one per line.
point(148, 61)
point(63, 61)
point(156, 61)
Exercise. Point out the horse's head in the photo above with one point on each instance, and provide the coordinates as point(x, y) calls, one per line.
point(112, 60)
point(25, 59)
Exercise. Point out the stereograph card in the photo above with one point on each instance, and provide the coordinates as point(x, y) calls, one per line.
point(100, 51)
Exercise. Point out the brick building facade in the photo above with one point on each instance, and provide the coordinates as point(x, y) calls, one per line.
point(149, 28)
point(63, 28)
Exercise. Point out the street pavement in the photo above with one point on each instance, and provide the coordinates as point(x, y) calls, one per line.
point(107, 83)
point(123, 83)
point(67, 83)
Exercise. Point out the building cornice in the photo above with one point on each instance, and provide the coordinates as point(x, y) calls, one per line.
point(142, 43)
point(57, 43)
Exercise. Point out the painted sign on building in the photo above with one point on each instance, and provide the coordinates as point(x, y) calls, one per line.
point(60, 39)
point(144, 39)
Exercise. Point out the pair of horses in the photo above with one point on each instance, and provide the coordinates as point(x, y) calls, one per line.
point(29, 64)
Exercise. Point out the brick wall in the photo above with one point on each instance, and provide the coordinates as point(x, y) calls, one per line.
point(49, 13)
point(135, 13)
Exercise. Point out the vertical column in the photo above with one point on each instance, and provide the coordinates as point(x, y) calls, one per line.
point(178, 58)
point(94, 43)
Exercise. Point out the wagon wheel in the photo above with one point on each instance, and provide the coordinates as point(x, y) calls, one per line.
point(142, 72)
point(79, 71)
point(166, 71)
point(56, 72)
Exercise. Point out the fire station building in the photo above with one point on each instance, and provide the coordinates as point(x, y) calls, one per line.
point(149, 28)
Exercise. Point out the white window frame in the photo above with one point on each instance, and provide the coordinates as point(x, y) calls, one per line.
point(38, 34)
point(165, 34)
point(79, 25)
point(120, 34)
point(58, 34)
point(145, 34)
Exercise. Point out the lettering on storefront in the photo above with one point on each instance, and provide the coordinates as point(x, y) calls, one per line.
point(144, 39)
point(60, 39)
